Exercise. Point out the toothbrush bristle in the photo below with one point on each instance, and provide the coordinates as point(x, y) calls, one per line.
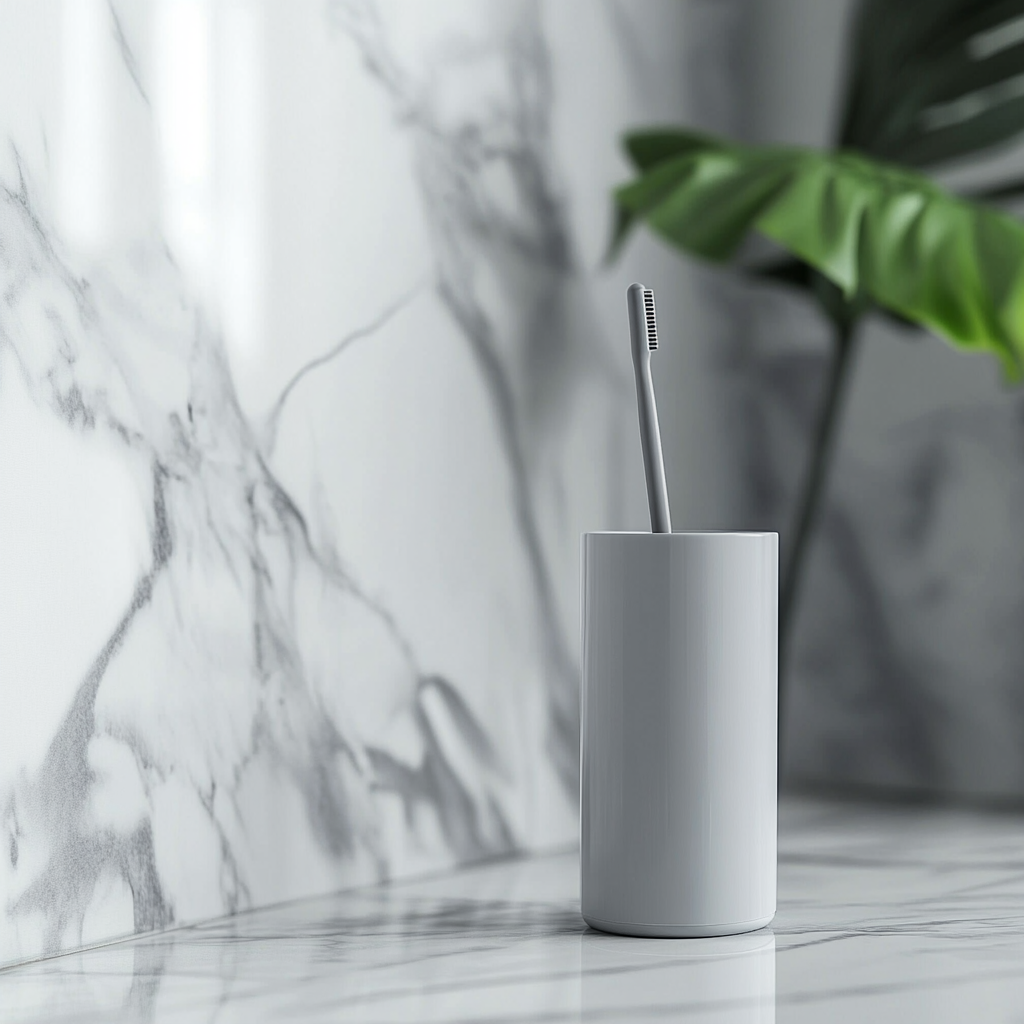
point(652, 323)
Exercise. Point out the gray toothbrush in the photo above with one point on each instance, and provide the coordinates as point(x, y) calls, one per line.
point(643, 337)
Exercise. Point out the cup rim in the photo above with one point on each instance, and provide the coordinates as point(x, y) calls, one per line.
point(681, 533)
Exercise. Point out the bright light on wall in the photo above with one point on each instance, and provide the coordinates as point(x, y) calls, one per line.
point(203, 116)
point(183, 107)
point(82, 194)
point(242, 152)
point(210, 111)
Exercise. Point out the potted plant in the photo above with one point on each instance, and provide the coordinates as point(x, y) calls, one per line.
point(860, 226)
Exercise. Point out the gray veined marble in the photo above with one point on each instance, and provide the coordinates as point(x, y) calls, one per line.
point(885, 914)
point(304, 400)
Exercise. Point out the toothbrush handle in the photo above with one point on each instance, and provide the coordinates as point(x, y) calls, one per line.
point(650, 443)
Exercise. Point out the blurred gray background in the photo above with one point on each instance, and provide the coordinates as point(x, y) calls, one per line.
point(908, 652)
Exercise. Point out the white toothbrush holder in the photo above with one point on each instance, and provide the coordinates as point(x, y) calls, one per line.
point(678, 733)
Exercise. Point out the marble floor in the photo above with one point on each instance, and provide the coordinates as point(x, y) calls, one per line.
point(887, 913)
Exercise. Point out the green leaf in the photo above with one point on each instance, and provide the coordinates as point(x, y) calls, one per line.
point(880, 233)
point(647, 150)
point(634, 201)
point(656, 146)
point(933, 80)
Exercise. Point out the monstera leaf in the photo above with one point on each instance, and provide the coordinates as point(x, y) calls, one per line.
point(882, 234)
point(928, 82)
point(933, 80)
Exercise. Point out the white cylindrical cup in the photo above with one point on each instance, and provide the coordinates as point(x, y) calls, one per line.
point(678, 733)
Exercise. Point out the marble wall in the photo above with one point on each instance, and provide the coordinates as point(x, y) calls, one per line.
point(908, 666)
point(310, 376)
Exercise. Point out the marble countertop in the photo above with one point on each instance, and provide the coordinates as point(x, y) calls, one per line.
point(885, 913)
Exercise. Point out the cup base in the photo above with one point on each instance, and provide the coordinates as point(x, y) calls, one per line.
point(676, 931)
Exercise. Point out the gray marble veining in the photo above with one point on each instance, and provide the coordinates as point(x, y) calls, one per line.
point(305, 397)
point(886, 914)
point(311, 375)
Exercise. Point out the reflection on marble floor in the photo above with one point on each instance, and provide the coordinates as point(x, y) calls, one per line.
point(885, 913)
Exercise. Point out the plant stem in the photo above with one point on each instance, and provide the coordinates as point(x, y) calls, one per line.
point(811, 502)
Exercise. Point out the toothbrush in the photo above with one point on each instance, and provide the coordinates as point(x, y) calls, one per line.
point(643, 337)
